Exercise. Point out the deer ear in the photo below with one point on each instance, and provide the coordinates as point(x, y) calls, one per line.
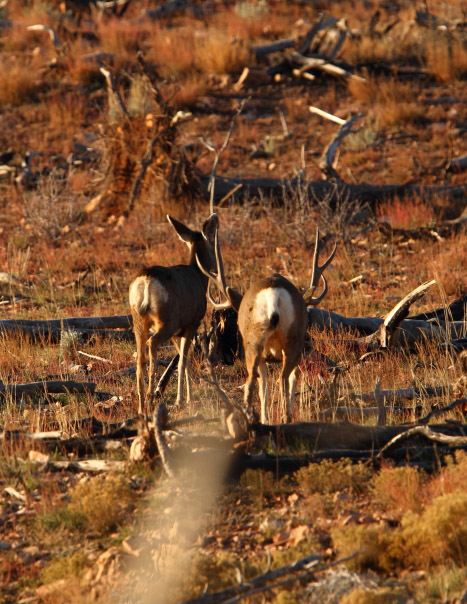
point(210, 227)
point(185, 233)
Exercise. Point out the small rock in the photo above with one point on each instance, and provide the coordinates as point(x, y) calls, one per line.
point(38, 457)
point(50, 588)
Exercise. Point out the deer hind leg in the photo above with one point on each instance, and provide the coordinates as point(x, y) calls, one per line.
point(184, 368)
point(263, 390)
point(155, 341)
point(288, 382)
point(141, 334)
point(252, 359)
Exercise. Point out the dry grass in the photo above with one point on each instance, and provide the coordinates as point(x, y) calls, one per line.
point(120, 37)
point(183, 51)
point(447, 59)
point(408, 213)
point(392, 102)
point(216, 53)
point(16, 84)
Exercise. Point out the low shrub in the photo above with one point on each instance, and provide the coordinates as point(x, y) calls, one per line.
point(398, 488)
point(101, 502)
point(329, 477)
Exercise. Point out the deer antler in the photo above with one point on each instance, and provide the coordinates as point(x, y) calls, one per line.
point(318, 274)
point(218, 278)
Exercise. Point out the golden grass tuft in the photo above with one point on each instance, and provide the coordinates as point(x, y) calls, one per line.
point(186, 51)
point(392, 103)
point(398, 489)
point(120, 37)
point(173, 51)
point(447, 59)
point(220, 54)
point(408, 213)
point(186, 92)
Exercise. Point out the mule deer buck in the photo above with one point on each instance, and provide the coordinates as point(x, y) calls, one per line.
point(170, 302)
point(272, 319)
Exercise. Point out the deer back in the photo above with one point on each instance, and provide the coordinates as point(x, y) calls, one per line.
point(172, 297)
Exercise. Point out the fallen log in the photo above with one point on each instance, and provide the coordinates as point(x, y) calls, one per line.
point(38, 333)
point(456, 311)
point(18, 391)
point(278, 189)
point(278, 45)
point(321, 64)
point(319, 436)
point(403, 394)
point(412, 331)
point(84, 465)
point(302, 571)
point(56, 441)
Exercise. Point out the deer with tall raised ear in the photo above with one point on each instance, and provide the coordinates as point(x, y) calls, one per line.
point(170, 302)
point(272, 320)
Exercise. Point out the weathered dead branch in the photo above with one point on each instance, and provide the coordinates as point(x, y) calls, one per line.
point(387, 335)
point(462, 402)
point(268, 580)
point(18, 391)
point(327, 162)
point(445, 439)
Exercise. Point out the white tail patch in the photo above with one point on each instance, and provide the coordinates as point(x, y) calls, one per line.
point(147, 294)
point(274, 300)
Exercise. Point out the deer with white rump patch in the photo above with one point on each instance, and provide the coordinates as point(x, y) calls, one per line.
point(170, 302)
point(272, 319)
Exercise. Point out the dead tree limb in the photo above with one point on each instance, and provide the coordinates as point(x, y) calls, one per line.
point(321, 64)
point(165, 377)
point(218, 153)
point(388, 334)
point(145, 162)
point(114, 98)
point(462, 402)
point(403, 394)
point(263, 582)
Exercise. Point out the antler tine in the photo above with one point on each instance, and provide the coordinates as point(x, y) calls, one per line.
point(218, 278)
point(318, 274)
